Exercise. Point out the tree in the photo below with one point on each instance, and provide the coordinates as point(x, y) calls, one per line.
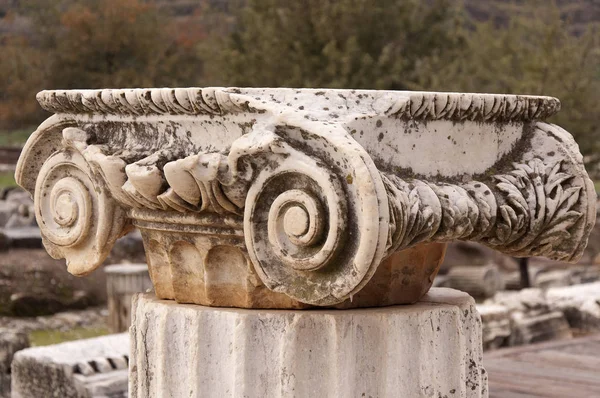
point(536, 53)
point(116, 43)
point(93, 44)
point(333, 43)
point(21, 75)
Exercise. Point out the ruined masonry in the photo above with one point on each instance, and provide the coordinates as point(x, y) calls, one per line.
point(256, 200)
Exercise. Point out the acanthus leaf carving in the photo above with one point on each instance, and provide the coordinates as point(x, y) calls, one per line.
point(527, 211)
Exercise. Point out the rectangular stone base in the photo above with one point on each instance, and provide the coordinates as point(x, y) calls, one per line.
point(429, 349)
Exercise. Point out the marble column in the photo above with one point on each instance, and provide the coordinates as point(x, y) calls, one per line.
point(276, 202)
point(432, 348)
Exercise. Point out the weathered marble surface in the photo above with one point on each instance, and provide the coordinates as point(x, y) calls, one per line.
point(532, 318)
point(429, 349)
point(89, 368)
point(302, 193)
point(122, 282)
point(579, 303)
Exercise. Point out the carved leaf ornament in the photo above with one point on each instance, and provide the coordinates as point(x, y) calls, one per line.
point(320, 211)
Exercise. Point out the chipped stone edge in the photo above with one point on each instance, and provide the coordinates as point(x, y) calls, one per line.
point(218, 101)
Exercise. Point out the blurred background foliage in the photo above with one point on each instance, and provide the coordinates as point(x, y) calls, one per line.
point(549, 47)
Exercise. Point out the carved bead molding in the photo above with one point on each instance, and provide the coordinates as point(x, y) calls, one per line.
point(314, 187)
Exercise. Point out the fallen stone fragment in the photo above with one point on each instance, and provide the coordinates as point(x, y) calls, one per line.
point(21, 238)
point(579, 303)
point(554, 278)
point(480, 281)
point(531, 318)
point(89, 368)
point(530, 328)
point(526, 300)
point(496, 328)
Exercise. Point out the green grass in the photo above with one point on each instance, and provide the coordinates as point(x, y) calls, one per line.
point(48, 337)
point(7, 179)
point(16, 137)
point(597, 185)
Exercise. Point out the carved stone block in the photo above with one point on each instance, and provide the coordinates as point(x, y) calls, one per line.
point(580, 304)
point(287, 198)
point(89, 368)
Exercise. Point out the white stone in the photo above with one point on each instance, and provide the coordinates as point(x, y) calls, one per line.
point(532, 318)
point(579, 303)
point(429, 349)
point(77, 369)
point(577, 293)
point(526, 300)
point(481, 281)
point(303, 192)
point(496, 327)
point(554, 278)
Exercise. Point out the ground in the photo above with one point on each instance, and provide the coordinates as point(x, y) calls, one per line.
point(32, 284)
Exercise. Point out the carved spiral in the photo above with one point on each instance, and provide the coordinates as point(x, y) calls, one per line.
point(296, 224)
point(65, 216)
point(77, 219)
point(308, 230)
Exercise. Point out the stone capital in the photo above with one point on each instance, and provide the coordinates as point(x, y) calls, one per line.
point(292, 197)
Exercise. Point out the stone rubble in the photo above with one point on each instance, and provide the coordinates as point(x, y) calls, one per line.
point(549, 276)
point(531, 328)
point(534, 314)
point(89, 368)
point(530, 300)
point(554, 278)
point(481, 281)
point(16, 208)
point(579, 303)
point(496, 327)
point(485, 280)
point(531, 318)
point(34, 284)
point(18, 227)
point(26, 237)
